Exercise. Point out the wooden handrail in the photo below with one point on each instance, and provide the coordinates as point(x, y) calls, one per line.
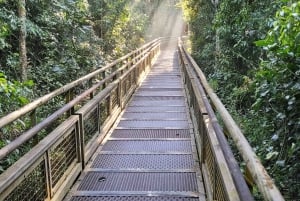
point(264, 182)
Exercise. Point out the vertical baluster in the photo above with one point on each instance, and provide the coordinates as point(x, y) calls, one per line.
point(47, 175)
point(69, 97)
point(90, 83)
point(33, 122)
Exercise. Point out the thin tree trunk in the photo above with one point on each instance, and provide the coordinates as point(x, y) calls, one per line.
point(22, 39)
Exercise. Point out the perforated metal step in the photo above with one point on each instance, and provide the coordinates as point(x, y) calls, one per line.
point(153, 124)
point(139, 181)
point(144, 161)
point(155, 116)
point(157, 98)
point(149, 154)
point(148, 146)
point(168, 75)
point(161, 88)
point(164, 81)
point(150, 133)
point(156, 109)
point(167, 83)
point(155, 103)
point(159, 93)
point(133, 198)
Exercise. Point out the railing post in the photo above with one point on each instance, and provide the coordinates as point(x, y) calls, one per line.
point(69, 97)
point(103, 75)
point(55, 183)
point(120, 92)
point(90, 83)
point(47, 175)
point(109, 104)
point(80, 136)
point(33, 122)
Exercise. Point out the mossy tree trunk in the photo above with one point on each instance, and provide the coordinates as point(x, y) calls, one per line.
point(22, 39)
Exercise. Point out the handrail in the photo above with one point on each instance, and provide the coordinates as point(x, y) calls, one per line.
point(264, 182)
point(49, 169)
point(33, 105)
point(40, 101)
point(214, 160)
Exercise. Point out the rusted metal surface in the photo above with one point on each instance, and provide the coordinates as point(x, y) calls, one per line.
point(149, 155)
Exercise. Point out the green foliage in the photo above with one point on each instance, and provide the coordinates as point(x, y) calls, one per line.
point(65, 40)
point(13, 94)
point(260, 86)
point(200, 15)
point(277, 95)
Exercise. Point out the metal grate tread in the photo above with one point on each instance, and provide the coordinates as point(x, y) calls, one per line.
point(157, 98)
point(155, 116)
point(148, 146)
point(151, 133)
point(155, 103)
point(161, 88)
point(163, 81)
point(159, 93)
point(156, 109)
point(153, 124)
point(139, 181)
point(133, 198)
point(142, 161)
point(156, 83)
point(149, 155)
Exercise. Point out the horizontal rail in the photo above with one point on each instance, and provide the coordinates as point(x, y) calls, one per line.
point(49, 169)
point(220, 181)
point(264, 182)
point(40, 101)
point(27, 135)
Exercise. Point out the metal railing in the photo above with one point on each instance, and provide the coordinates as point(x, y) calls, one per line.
point(222, 176)
point(47, 171)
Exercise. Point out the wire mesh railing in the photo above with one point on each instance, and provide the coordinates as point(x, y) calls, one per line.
point(222, 176)
point(48, 169)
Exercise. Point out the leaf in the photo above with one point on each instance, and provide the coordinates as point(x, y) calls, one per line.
point(29, 83)
point(280, 163)
point(271, 155)
point(297, 39)
point(262, 43)
point(23, 100)
point(275, 137)
point(281, 116)
point(263, 94)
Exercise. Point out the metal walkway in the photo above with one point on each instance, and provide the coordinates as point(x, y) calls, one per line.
point(150, 134)
point(150, 154)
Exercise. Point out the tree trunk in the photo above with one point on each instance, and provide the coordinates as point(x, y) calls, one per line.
point(22, 39)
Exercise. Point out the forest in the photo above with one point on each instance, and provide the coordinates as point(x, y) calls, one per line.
point(250, 52)
point(248, 49)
